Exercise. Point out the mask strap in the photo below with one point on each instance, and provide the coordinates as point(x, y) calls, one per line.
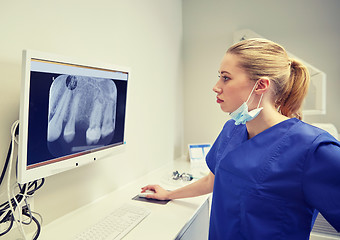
point(260, 101)
point(251, 92)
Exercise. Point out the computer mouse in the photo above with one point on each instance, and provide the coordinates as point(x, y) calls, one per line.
point(144, 194)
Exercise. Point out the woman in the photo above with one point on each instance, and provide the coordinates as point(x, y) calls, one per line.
point(269, 170)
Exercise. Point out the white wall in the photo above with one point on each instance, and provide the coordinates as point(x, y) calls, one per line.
point(307, 28)
point(144, 35)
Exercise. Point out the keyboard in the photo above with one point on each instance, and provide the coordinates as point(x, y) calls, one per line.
point(116, 224)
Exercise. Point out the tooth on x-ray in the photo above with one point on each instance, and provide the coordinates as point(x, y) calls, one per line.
point(110, 110)
point(56, 122)
point(82, 110)
point(70, 128)
point(109, 120)
point(93, 133)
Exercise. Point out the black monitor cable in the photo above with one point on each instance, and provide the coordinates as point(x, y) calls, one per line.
point(37, 233)
point(9, 192)
point(6, 164)
point(19, 200)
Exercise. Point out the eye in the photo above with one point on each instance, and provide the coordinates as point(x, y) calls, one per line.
point(224, 78)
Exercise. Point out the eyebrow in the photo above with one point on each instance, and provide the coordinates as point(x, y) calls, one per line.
point(224, 72)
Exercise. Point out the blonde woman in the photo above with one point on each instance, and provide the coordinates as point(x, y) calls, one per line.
point(270, 172)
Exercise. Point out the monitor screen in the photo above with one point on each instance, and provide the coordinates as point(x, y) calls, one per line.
point(69, 112)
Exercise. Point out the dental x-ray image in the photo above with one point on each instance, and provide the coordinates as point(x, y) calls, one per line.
point(81, 114)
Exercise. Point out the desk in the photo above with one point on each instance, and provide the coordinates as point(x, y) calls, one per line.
point(178, 219)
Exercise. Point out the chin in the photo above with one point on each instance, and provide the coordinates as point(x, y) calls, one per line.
point(226, 110)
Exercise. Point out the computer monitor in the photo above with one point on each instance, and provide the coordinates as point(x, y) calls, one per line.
point(70, 112)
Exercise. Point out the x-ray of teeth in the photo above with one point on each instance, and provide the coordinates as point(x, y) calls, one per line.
point(82, 113)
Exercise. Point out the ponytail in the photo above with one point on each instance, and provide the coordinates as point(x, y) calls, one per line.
point(290, 101)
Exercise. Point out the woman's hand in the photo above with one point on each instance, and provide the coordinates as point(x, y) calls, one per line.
point(202, 186)
point(159, 192)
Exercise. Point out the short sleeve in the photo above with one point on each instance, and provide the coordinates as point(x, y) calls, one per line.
point(223, 138)
point(212, 154)
point(321, 181)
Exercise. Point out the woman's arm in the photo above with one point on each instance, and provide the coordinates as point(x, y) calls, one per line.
point(202, 186)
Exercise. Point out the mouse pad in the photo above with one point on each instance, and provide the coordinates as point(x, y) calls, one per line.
point(163, 202)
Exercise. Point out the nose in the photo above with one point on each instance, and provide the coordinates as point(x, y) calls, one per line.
point(216, 89)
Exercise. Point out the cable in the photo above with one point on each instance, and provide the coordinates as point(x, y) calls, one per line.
point(37, 186)
point(19, 200)
point(8, 157)
point(26, 190)
point(37, 233)
point(6, 164)
point(41, 218)
point(18, 223)
point(9, 227)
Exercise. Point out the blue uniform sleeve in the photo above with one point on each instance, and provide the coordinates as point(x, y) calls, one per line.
point(321, 180)
point(211, 156)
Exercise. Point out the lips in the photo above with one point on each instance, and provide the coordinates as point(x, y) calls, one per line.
point(219, 100)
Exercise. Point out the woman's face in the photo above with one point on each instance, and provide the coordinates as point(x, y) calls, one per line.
point(233, 86)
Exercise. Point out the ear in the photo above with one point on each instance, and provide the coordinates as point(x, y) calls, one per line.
point(262, 85)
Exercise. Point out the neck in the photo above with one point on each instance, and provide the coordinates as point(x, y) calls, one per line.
point(267, 118)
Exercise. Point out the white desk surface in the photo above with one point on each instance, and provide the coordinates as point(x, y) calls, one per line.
point(164, 221)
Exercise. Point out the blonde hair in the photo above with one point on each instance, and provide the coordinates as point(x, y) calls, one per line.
point(263, 58)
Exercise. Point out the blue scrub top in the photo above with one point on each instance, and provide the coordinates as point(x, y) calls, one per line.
point(267, 187)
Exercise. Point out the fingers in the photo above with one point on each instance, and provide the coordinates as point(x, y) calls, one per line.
point(156, 192)
point(153, 188)
point(149, 189)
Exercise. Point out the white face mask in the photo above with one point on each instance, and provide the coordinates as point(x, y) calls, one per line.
point(241, 115)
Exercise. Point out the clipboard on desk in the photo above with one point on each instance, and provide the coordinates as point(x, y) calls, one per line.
point(198, 152)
